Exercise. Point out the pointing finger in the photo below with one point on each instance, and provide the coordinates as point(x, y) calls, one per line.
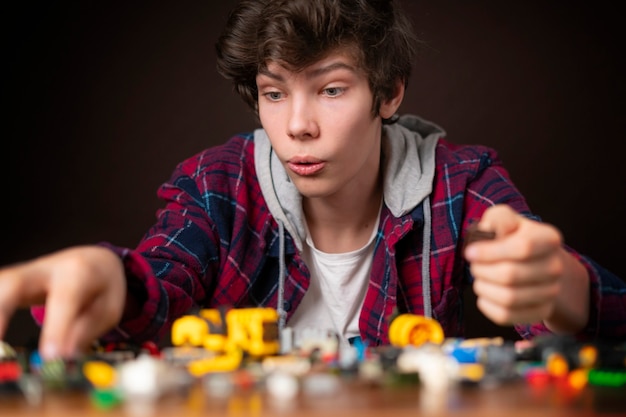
point(61, 312)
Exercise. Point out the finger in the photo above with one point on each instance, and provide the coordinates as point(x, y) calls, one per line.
point(61, 313)
point(68, 292)
point(514, 273)
point(517, 297)
point(506, 317)
point(91, 323)
point(87, 294)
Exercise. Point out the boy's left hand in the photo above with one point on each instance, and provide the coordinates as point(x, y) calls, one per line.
point(525, 275)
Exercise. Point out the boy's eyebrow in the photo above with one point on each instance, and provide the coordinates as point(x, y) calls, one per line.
point(313, 73)
point(331, 67)
point(265, 71)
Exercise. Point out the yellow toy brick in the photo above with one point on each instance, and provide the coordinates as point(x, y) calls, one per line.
point(411, 329)
point(231, 333)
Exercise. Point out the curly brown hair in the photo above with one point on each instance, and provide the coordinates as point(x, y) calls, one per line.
point(297, 33)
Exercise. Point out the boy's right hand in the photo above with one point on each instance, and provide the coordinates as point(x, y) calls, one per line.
point(84, 292)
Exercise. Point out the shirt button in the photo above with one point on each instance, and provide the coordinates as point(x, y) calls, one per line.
point(286, 306)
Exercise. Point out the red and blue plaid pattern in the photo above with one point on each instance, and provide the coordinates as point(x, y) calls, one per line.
point(215, 243)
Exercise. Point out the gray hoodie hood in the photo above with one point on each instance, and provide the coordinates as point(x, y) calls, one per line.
point(408, 169)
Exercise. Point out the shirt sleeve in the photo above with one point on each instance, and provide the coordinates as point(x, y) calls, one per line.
point(172, 268)
point(607, 306)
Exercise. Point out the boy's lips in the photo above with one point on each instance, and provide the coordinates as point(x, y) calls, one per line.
point(305, 166)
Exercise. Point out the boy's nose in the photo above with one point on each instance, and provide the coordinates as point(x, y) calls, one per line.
point(302, 123)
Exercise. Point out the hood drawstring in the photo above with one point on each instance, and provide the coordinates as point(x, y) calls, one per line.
point(280, 303)
point(428, 308)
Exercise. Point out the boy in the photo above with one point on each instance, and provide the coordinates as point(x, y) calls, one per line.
point(336, 213)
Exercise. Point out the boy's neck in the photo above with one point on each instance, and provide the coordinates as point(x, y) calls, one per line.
point(343, 224)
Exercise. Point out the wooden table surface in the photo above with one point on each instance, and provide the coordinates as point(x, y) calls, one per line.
point(510, 399)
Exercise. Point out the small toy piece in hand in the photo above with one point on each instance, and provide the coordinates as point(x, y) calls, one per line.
point(474, 234)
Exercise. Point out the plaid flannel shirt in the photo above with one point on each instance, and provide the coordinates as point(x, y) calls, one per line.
point(215, 243)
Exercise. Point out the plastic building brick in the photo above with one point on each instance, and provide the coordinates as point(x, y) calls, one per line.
point(10, 368)
point(230, 333)
point(100, 374)
point(321, 345)
point(607, 378)
point(289, 364)
point(436, 370)
point(282, 386)
point(410, 329)
point(255, 330)
point(10, 371)
point(229, 361)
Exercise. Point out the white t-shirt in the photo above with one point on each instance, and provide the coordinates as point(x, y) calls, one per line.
point(336, 289)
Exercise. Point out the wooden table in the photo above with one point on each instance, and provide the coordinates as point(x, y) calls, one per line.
point(511, 399)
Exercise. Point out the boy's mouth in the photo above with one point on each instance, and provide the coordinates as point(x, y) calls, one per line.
point(305, 166)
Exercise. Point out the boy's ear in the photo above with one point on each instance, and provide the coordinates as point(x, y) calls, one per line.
point(389, 107)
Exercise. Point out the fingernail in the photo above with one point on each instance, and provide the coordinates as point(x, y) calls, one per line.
point(49, 351)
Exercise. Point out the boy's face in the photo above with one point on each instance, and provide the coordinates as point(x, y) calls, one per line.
point(321, 126)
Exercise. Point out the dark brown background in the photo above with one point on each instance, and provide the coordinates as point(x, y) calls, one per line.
point(102, 99)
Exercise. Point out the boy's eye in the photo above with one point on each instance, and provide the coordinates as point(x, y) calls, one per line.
point(333, 91)
point(273, 95)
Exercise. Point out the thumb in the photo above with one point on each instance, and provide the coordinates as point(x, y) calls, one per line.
point(503, 221)
point(500, 219)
